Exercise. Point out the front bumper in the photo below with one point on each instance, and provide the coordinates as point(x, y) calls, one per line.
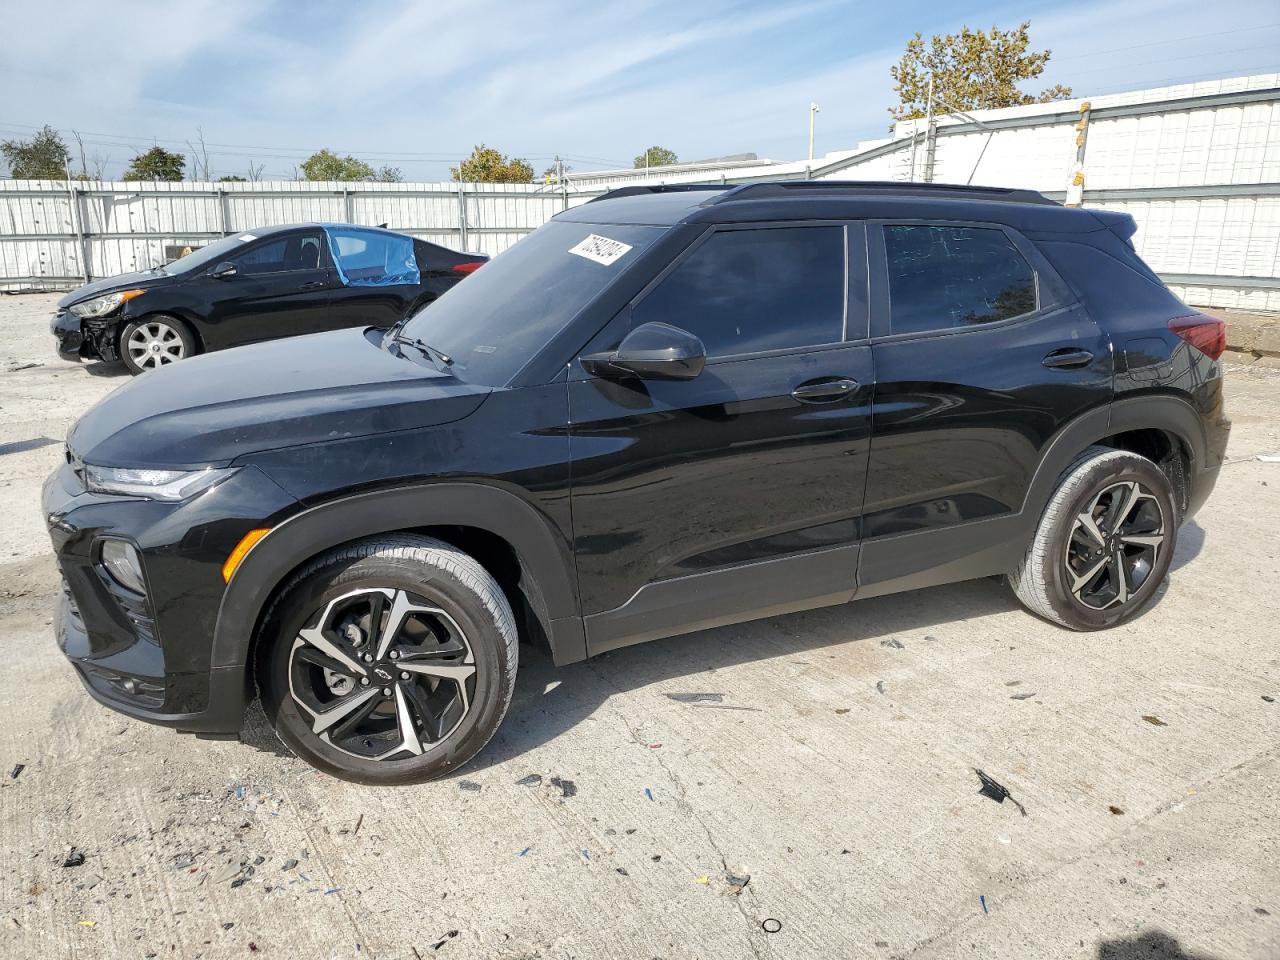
point(77, 339)
point(150, 656)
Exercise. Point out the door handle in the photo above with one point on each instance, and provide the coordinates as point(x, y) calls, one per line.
point(313, 285)
point(1068, 358)
point(825, 391)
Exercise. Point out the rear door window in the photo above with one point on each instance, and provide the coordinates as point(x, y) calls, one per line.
point(942, 277)
point(747, 291)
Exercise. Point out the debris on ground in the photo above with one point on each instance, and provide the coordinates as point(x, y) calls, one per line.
point(695, 697)
point(704, 880)
point(648, 793)
point(737, 884)
point(567, 787)
point(88, 923)
point(19, 767)
point(469, 785)
point(1268, 699)
point(75, 858)
point(879, 686)
point(656, 858)
point(1154, 721)
point(893, 643)
point(32, 366)
point(1022, 696)
point(983, 901)
point(445, 939)
point(1115, 811)
point(770, 925)
point(289, 864)
point(842, 710)
point(997, 791)
point(530, 780)
point(1013, 683)
point(524, 851)
point(622, 871)
point(359, 821)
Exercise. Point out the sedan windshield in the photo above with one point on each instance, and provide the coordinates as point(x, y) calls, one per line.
point(496, 320)
point(208, 255)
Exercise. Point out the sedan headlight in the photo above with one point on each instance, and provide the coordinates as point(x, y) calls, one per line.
point(171, 485)
point(101, 306)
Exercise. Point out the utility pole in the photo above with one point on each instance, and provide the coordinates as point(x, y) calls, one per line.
point(813, 110)
point(930, 135)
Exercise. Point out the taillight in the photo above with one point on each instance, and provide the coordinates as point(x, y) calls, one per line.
point(1206, 334)
point(469, 267)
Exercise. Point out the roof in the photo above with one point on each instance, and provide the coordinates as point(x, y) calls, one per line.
point(667, 205)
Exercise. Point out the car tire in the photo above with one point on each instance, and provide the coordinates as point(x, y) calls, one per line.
point(155, 341)
point(436, 641)
point(1104, 543)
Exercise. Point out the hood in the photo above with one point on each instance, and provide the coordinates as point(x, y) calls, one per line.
point(125, 281)
point(210, 409)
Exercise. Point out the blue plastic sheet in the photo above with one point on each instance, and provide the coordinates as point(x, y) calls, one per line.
point(372, 258)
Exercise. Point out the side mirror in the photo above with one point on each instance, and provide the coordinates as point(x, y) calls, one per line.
point(223, 270)
point(652, 351)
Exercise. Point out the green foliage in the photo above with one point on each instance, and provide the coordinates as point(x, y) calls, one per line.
point(43, 157)
point(232, 178)
point(487, 165)
point(972, 70)
point(327, 165)
point(389, 175)
point(156, 164)
point(657, 157)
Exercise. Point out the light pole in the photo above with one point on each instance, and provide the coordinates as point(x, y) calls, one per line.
point(813, 109)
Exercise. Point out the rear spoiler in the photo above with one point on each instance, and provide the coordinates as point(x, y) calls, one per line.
point(1121, 224)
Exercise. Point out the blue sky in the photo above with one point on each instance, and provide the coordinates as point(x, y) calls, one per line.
point(417, 84)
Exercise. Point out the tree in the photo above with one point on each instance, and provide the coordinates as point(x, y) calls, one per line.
point(487, 165)
point(657, 157)
point(387, 174)
point(156, 164)
point(973, 70)
point(327, 165)
point(232, 178)
point(43, 157)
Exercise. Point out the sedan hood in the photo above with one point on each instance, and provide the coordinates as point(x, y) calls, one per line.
point(210, 409)
point(125, 281)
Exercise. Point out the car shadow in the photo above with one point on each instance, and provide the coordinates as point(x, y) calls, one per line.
point(1190, 543)
point(104, 368)
point(550, 701)
point(1152, 945)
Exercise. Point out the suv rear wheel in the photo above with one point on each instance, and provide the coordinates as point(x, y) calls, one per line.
point(391, 660)
point(1104, 543)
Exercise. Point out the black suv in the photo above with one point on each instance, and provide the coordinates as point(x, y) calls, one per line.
point(666, 410)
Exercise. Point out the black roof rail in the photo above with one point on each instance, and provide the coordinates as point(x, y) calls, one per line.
point(638, 189)
point(895, 188)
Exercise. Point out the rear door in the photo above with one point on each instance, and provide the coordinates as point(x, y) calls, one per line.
point(981, 354)
point(736, 493)
point(375, 288)
point(281, 288)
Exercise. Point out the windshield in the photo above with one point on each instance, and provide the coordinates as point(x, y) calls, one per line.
point(496, 320)
point(209, 255)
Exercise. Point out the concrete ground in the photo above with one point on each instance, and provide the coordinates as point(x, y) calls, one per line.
point(830, 768)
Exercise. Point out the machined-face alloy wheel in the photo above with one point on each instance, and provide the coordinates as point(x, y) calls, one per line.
point(153, 344)
point(1114, 545)
point(382, 674)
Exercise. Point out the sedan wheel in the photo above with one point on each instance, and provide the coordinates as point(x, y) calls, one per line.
point(155, 342)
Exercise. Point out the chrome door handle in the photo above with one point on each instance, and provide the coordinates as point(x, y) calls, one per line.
point(825, 391)
point(1067, 358)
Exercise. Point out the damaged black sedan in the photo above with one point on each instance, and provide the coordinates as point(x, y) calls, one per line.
point(253, 286)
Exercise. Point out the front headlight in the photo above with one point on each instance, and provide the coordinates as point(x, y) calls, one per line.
point(153, 484)
point(101, 306)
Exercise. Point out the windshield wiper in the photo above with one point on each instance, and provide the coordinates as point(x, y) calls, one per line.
point(441, 359)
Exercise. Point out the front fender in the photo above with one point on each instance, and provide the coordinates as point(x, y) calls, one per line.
point(544, 557)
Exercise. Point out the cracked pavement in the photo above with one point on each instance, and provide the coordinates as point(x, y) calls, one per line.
point(836, 771)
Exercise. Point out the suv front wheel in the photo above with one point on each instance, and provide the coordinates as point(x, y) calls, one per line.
point(1104, 543)
point(390, 660)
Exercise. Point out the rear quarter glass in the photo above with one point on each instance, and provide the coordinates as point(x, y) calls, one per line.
point(504, 314)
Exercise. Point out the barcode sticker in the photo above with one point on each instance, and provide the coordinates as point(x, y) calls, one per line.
point(601, 249)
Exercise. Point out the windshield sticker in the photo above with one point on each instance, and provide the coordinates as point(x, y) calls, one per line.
point(246, 237)
point(601, 249)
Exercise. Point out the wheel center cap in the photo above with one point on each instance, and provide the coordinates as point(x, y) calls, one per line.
point(383, 673)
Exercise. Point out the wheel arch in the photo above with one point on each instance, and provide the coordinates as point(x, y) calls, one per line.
point(530, 560)
point(179, 315)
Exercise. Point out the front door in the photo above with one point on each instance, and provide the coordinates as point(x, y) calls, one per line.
point(738, 493)
point(281, 288)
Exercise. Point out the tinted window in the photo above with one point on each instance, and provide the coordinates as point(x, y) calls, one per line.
point(941, 277)
point(748, 290)
point(296, 252)
point(494, 322)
